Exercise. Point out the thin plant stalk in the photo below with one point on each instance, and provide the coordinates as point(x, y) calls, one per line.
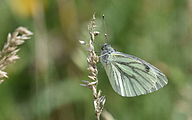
point(92, 60)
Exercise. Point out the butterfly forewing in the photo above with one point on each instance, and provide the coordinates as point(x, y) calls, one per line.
point(131, 76)
point(161, 78)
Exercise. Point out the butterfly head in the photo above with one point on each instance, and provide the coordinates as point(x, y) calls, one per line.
point(106, 48)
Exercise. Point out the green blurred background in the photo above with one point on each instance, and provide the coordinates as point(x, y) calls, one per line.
point(44, 83)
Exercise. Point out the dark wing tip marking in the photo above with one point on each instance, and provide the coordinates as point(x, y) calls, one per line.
point(147, 68)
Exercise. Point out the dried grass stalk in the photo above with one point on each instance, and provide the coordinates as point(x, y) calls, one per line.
point(9, 51)
point(92, 60)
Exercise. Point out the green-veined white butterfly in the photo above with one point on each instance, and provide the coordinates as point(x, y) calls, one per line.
point(130, 76)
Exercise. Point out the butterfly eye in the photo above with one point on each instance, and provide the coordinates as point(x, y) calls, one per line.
point(102, 48)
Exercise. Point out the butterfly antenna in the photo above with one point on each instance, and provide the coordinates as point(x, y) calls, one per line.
point(106, 36)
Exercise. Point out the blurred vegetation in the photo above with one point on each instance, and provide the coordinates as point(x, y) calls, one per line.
point(44, 83)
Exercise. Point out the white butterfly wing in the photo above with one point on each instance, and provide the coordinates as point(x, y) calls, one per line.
point(131, 76)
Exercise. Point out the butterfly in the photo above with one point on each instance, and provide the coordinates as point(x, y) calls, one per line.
point(130, 76)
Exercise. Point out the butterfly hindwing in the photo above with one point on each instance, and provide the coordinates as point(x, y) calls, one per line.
point(131, 76)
